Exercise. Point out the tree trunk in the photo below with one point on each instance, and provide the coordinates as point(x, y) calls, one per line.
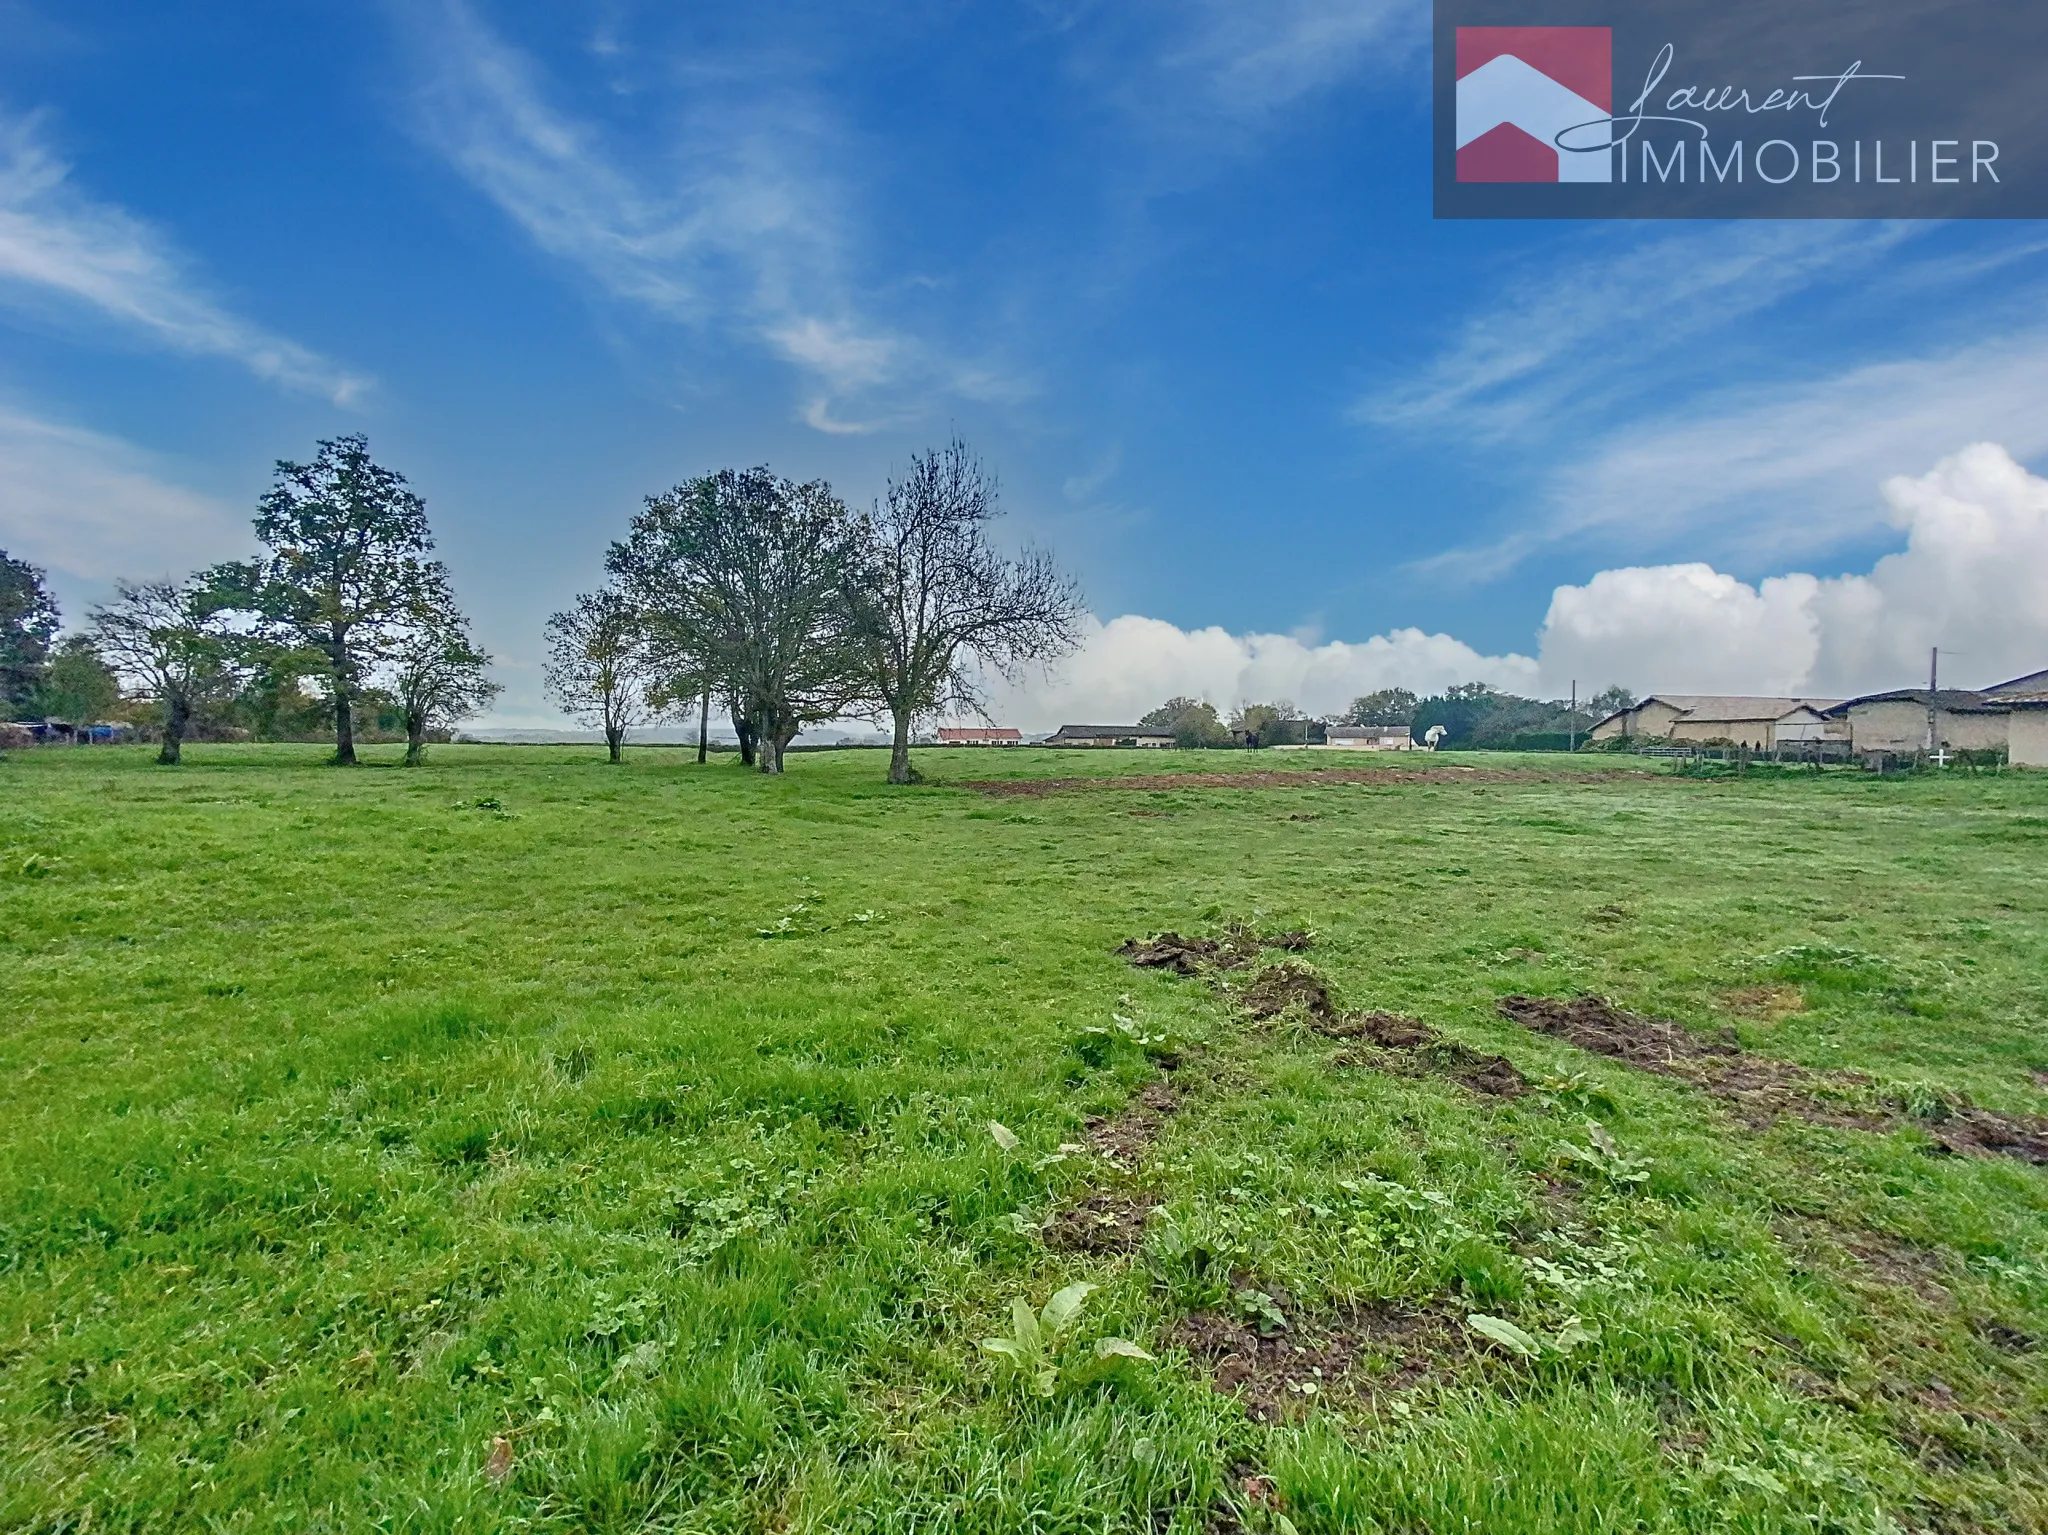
point(175, 718)
point(900, 770)
point(614, 742)
point(344, 726)
point(704, 723)
point(745, 729)
point(415, 739)
point(780, 745)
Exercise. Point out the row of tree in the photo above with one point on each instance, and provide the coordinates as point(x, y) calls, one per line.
point(343, 610)
point(1473, 714)
point(778, 602)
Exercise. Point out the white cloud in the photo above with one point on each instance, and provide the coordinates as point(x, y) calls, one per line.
point(56, 243)
point(93, 507)
point(1969, 580)
point(1133, 664)
point(1604, 314)
point(1257, 58)
point(745, 226)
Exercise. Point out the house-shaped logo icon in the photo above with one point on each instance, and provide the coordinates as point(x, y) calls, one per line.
point(1519, 88)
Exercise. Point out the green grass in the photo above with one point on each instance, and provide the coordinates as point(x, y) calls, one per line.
point(346, 1127)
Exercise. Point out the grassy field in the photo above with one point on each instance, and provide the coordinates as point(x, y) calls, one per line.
point(522, 1143)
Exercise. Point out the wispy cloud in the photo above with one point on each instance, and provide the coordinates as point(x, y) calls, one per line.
point(94, 507)
point(1607, 314)
point(1256, 59)
point(58, 245)
point(740, 223)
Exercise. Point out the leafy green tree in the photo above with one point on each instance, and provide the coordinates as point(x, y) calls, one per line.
point(1274, 724)
point(1611, 699)
point(743, 577)
point(346, 566)
point(934, 606)
point(165, 638)
point(78, 685)
point(600, 669)
point(28, 626)
point(1389, 706)
point(438, 676)
point(1193, 721)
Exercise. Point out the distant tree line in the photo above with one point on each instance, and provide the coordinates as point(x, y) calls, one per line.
point(342, 617)
point(773, 600)
point(1473, 714)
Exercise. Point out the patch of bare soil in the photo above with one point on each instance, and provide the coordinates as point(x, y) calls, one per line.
point(1760, 1090)
point(1873, 1257)
point(1037, 788)
point(1124, 1138)
point(1102, 1223)
point(1353, 1355)
point(1413, 1048)
point(1239, 946)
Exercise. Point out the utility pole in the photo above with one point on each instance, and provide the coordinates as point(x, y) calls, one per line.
point(1933, 699)
point(1572, 719)
point(704, 720)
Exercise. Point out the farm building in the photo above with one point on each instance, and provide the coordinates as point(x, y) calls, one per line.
point(1702, 718)
point(1109, 735)
point(2027, 733)
point(1371, 738)
point(1897, 721)
point(2007, 716)
point(977, 735)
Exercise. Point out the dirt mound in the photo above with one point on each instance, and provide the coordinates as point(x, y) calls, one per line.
point(1170, 951)
point(1279, 987)
point(1352, 1355)
point(1102, 1223)
point(1494, 1075)
point(1034, 788)
point(1413, 1048)
point(1125, 1138)
point(1762, 1090)
point(1594, 1023)
point(1388, 1029)
point(1239, 946)
point(1972, 1131)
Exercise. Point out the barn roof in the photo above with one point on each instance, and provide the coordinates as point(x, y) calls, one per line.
point(1948, 700)
point(1110, 730)
point(1727, 708)
point(2033, 685)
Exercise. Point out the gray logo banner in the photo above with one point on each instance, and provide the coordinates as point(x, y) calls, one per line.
point(1925, 109)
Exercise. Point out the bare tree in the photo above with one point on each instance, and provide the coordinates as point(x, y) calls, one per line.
point(599, 668)
point(439, 676)
point(936, 607)
point(742, 573)
point(164, 640)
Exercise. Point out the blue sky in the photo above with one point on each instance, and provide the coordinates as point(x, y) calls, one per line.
point(1170, 267)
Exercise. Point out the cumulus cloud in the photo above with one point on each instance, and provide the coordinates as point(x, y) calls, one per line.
point(1133, 664)
point(58, 244)
point(1969, 581)
point(93, 507)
